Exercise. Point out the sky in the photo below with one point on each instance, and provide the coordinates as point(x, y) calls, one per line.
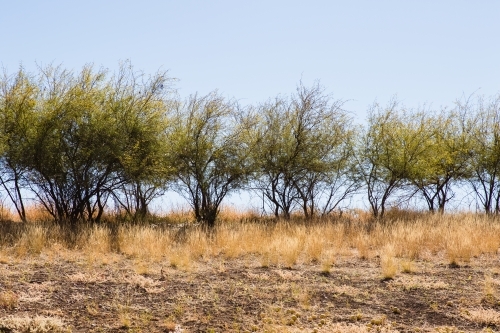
point(424, 51)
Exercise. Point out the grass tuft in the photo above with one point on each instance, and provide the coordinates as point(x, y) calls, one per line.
point(8, 299)
point(388, 262)
point(37, 324)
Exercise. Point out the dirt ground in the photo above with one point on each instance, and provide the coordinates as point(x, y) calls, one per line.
point(119, 294)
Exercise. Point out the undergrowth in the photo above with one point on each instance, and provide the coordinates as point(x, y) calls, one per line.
point(407, 236)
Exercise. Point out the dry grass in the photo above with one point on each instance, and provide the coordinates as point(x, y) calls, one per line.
point(410, 235)
point(489, 288)
point(293, 266)
point(32, 241)
point(408, 266)
point(36, 214)
point(328, 260)
point(388, 262)
point(410, 283)
point(481, 316)
point(38, 324)
point(459, 237)
point(8, 299)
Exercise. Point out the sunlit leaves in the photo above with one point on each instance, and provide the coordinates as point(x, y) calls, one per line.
point(209, 151)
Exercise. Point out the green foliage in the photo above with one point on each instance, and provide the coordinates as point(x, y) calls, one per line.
point(305, 152)
point(445, 159)
point(83, 142)
point(142, 115)
point(76, 156)
point(18, 96)
point(74, 139)
point(408, 152)
point(392, 152)
point(209, 151)
point(382, 162)
point(483, 118)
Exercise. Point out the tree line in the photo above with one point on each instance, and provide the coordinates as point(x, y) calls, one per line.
point(80, 143)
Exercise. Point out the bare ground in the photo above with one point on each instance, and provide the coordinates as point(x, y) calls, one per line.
point(119, 294)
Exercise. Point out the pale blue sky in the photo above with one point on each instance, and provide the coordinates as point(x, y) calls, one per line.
point(425, 51)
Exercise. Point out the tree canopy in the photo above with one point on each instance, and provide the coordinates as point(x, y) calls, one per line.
point(80, 143)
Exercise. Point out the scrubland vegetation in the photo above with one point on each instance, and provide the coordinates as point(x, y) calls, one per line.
point(410, 272)
point(83, 144)
point(82, 156)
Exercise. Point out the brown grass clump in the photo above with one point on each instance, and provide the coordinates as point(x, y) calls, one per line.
point(230, 214)
point(289, 249)
point(483, 316)
point(32, 241)
point(180, 259)
point(97, 246)
point(144, 242)
point(489, 289)
point(6, 214)
point(388, 262)
point(39, 324)
point(8, 299)
point(362, 243)
point(327, 261)
point(408, 266)
point(36, 213)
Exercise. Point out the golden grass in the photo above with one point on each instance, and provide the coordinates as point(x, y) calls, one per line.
point(328, 260)
point(32, 241)
point(35, 213)
point(388, 262)
point(458, 237)
point(6, 214)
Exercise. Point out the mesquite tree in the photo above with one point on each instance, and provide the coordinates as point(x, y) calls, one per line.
point(483, 115)
point(18, 99)
point(305, 152)
point(209, 152)
point(391, 151)
point(92, 135)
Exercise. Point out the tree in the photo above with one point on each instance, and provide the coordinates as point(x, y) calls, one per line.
point(18, 97)
point(304, 153)
point(143, 110)
point(391, 152)
point(92, 137)
point(74, 157)
point(325, 142)
point(275, 157)
point(208, 152)
point(445, 160)
point(484, 117)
